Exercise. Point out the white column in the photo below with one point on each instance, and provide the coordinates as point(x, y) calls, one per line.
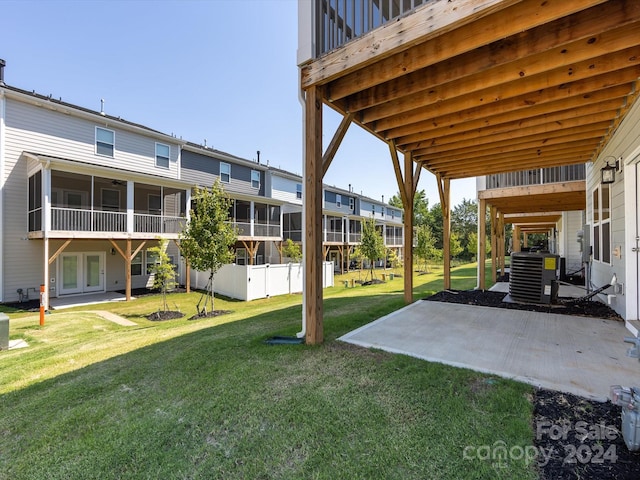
point(130, 205)
point(252, 216)
point(46, 201)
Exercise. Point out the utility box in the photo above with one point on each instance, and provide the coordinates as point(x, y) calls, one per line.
point(629, 399)
point(4, 332)
point(533, 277)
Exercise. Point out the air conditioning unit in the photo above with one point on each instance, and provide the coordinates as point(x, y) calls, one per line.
point(533, 277)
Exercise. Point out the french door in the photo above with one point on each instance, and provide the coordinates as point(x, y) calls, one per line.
point(81, 272)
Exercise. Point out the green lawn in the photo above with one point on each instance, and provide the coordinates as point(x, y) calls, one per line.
point(208, 399)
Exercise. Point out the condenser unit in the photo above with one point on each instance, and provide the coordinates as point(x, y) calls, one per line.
point(533, 277)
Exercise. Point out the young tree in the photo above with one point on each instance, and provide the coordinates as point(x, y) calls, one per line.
point(164, 275)
point(420, 206)
point(455, 248)
point(425, 245)
point(292, 250)
point(208, 238)
point(372, 243)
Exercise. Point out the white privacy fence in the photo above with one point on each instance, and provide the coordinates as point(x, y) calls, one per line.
point(250, 282)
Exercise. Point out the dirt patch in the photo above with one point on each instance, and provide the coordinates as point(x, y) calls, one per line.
point(574, 438)
point(162, 316)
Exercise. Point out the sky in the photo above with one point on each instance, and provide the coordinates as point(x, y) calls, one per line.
point(222, 72)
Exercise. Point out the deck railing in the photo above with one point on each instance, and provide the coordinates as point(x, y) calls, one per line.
point(334, 236)
point(565, 173)
point(355, 237)
point(83, 220)
point(339, 21)
point(294, 235)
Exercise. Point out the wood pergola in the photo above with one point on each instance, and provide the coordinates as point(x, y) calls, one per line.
point(471, 88)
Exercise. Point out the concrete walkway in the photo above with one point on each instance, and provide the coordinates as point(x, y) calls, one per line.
point(578, 355)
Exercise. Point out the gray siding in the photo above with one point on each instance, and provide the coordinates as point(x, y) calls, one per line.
point(204, 170)
point(331, 205)
point(39, 130)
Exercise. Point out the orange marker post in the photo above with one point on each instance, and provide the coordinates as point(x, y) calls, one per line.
point(42, 305)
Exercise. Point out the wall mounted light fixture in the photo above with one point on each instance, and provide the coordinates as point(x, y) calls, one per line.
point(608, 172)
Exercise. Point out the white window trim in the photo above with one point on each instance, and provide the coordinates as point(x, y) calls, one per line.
point(148, 263)
point(252, 180)
point(228, 165)
point(351, 203)
point(599, 224)
point(299, 191)
point(338, 200)
point(137, 262)
point(163, 157)
point(113, 145)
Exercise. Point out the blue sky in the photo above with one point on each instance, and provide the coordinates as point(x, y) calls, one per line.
point(223, 71)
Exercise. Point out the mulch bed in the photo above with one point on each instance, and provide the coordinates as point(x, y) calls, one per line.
point(565, 306)
point(162, 316)
point(214, 313)
point(575, 438)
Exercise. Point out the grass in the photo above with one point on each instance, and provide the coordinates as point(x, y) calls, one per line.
point(208, 399)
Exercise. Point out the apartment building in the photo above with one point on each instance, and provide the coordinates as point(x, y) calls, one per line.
point(85, 194)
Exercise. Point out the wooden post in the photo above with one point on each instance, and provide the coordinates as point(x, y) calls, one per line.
point(127, 266)
point(494, 231)
point(407, 186)
point(515, 237)
point(482, 242)
point(444, 191)
point(408, 228)
point(313, 216)
point(187, 281)
point(525, 239)
point(503, 246)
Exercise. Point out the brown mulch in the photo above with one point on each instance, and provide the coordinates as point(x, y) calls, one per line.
point(214, 313)
point(575, 438)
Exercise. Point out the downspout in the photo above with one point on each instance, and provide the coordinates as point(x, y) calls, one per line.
point(303, 332)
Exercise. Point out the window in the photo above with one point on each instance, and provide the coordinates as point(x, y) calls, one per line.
point(255, 179)
point(393, 214)
point(35, 202)
point(382, 211)
point(351, 203)
point(105, 142)
point(602, 223)
point(225, 172)
point(163, 152)
point(155, 204)
point(373, 209)
point(110, 200)
point(136, 265)
point(152, 259)
point(338, 200)
point(299, 190)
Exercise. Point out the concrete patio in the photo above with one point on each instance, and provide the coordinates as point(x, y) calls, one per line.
point(578, 355)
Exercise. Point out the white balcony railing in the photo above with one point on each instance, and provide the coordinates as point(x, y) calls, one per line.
point(82, 220)
point(355, 237)
point(334, 236)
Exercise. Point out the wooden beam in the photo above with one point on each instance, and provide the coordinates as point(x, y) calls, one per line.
point(511, 78)
point(530, 190)
point(581, 97)
point(59, 251)
point(522, 48)
point(482, 242)
point(335, 142)
point(427, 22)
point(459, 99)
point(313, 215)
point(515, 237)
point(396, 169)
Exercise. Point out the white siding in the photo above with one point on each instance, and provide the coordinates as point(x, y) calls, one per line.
point(43, 131)
point(625, 141)
point(285, 189)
